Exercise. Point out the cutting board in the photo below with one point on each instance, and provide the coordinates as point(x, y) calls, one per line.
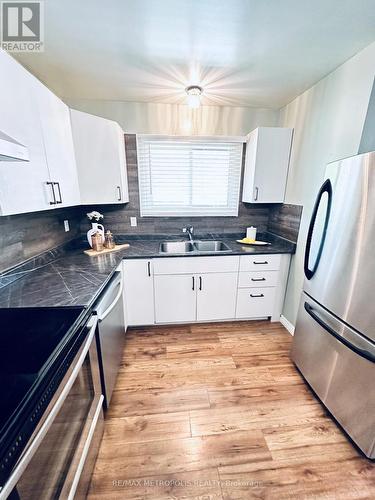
point(93, 253)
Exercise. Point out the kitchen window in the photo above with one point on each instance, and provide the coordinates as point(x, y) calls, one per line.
point(181, 176)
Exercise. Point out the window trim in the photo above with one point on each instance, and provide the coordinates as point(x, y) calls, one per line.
point(198, 140)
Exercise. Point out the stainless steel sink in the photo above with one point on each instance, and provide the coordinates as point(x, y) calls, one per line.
point(176, 247)
point(211, 246)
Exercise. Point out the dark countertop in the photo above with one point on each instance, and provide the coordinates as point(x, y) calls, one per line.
point(75, 279)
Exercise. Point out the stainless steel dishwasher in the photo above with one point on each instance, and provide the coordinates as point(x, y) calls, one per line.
point(110, 334)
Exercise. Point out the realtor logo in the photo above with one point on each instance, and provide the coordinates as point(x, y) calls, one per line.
point(22, 26)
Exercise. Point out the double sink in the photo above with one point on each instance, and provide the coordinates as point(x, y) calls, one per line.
point(187, 247)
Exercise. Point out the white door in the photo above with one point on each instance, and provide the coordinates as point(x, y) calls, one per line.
point(175, 298)
point(216, 296)
point(100, 153)
point(139, 291)
point(23, 185)
point(58, 142)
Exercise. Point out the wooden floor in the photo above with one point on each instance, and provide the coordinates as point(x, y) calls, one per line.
point(218, 411)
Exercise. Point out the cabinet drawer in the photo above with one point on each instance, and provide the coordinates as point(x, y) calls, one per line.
point(270, 262)
point(257, 279)
point(255, 302)
point(196, 265)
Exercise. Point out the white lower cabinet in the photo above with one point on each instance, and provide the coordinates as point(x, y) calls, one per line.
point(139, 292)
point(175, 298)
point(216, 296)
point(255, 302)
point(189, 289)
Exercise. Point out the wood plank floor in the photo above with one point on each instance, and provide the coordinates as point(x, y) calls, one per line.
point(218, 411)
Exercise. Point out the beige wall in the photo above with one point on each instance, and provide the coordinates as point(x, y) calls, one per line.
point(175, 119)
point(328, 121)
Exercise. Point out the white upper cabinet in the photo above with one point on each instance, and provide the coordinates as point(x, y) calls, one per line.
point(32, 115)
point(266, 166)
point(100, 154)
point(58, 142)
point(23, 185)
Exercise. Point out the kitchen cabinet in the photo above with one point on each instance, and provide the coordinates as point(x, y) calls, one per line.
point(58, 142)
point(139, 291)
point(22, 183)
point(35, 117)
point(216, 296)
point(195, 289)
point(255, 302)
point(261, 286)
point(175, 298)
point(211, 288)
point(266, 165)
point(100, 154)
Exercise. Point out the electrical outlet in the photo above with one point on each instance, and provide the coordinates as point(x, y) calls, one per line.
point(133, 221)
point(66, 226)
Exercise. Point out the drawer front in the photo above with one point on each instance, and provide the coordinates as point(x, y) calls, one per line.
point(270, 262)
point(257, 279)
point(255, 302)
point(196, 265)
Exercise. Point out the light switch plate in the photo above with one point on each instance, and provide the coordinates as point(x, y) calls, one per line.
point(133, 221)
point(66, 226)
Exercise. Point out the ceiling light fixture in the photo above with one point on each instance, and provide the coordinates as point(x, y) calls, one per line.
point(194, 93)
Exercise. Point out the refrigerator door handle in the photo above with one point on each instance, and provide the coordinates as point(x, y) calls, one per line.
point(326, 188)
point(351, 344)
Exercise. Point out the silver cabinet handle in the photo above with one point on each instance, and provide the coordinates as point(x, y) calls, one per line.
point(59, 190)
point(256, 295)
point(256, 194)
point(119, 198)
point(54, 202)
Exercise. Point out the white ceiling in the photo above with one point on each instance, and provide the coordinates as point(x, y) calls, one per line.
point(259, 53)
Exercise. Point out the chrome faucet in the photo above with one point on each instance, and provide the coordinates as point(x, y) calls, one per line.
point(190, 231)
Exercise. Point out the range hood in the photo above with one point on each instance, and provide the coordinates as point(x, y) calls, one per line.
point(11, 150)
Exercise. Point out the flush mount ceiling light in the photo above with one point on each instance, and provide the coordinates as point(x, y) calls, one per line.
point(194, 93)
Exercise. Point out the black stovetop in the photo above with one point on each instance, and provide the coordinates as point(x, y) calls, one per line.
point(29, 339)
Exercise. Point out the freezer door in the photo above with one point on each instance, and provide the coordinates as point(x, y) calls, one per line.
point(340, 248)
point(339, 364)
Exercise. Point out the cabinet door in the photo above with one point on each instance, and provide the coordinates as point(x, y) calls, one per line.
point(100, 153)
point(139, 292)
point(23, 185)
point(267, 163)
point(255, 302)
point(175, 298)
point(216, 296)
point(58, 142)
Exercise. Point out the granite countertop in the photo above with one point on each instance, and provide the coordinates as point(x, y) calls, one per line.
point(73, 279)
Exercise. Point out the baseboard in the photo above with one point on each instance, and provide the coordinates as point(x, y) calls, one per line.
point(288, 325)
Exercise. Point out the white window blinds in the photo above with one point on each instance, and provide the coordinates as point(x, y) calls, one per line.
point(188, 176)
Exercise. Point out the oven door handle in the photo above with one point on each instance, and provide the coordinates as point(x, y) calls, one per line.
point(102, 316)
point(29, 452)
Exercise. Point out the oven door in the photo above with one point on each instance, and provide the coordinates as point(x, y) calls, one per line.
point(58, 461)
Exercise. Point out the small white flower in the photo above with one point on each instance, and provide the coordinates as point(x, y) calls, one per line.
point(95, 215)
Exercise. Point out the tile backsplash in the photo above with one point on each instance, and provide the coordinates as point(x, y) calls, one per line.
point(117, 218)
point(27, 235)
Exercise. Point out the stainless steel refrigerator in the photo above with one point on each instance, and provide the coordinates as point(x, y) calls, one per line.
point(334, 340)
